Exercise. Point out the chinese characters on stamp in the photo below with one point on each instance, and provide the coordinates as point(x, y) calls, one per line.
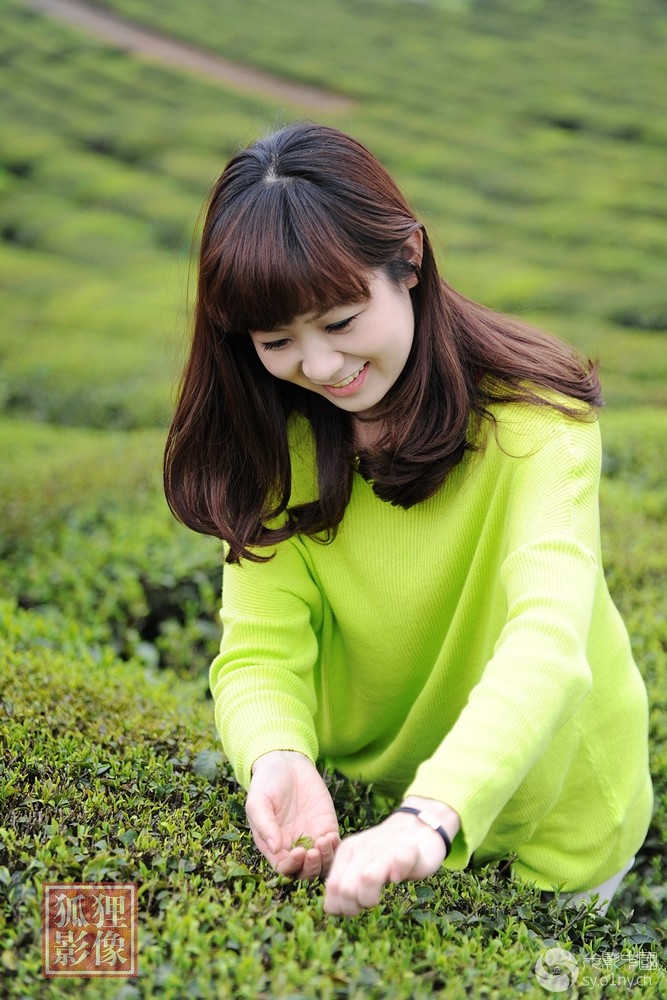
point(89, 929)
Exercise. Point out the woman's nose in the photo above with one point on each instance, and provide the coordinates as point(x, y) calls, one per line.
point(322, 365)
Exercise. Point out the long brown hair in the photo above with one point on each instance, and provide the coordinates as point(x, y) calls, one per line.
point(296, 223)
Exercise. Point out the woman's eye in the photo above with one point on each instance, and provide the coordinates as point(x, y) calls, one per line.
point(275, 345)
point(339, 327)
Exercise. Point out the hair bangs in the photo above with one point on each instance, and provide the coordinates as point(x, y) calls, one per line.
point(289, 258)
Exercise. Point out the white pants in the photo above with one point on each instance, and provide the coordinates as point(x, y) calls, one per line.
point(604, 892)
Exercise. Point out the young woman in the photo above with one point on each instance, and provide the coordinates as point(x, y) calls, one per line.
point(407, 487)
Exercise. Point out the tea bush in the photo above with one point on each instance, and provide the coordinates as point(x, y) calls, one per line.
point(111, 774)
point(75, 549)
point(530, 137)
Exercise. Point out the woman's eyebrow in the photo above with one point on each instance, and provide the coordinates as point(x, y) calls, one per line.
point(337, 305)
point(323, 311)
point(312, 317)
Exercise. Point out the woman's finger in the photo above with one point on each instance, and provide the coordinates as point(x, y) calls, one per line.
point(312, 864)
point(266, 834)
point(291, 862)
point(370, 885)
point(403, 863)
point(327, 848)
point(265, 829)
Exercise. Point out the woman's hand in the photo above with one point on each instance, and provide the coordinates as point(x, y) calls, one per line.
point(401, 848)
point(288, 801)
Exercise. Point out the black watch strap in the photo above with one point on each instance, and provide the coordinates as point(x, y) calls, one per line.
point(426, 817)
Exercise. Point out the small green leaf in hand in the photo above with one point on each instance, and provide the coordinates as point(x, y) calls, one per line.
point(303, 841)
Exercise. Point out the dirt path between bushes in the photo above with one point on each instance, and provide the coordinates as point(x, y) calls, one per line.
point(180, 55)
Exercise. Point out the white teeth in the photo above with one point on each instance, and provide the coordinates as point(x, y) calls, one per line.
point(346, 381)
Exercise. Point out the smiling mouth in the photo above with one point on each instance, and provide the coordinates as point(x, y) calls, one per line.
point(350, 378)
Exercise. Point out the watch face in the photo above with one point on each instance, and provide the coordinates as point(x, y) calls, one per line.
point(429, 818)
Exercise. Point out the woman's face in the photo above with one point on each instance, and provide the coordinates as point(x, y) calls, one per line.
point(351, 354)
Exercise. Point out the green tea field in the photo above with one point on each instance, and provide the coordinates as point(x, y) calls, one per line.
point(531, 137)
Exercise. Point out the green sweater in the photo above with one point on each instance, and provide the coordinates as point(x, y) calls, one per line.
point(465, 650)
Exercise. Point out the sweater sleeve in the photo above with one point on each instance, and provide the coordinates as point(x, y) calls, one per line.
point(538, 674)
point(262, 679)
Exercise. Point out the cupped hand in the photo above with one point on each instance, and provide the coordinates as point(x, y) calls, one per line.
point(401, 848)
point(289, 802)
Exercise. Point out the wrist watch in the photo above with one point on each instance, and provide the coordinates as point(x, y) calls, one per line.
point(427, 817)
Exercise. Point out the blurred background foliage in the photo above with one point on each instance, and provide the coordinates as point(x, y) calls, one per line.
point(529, 135)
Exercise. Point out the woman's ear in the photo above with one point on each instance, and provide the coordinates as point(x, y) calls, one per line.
point(412, 251)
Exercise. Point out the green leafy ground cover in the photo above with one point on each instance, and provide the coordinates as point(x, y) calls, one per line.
point(531, 138)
